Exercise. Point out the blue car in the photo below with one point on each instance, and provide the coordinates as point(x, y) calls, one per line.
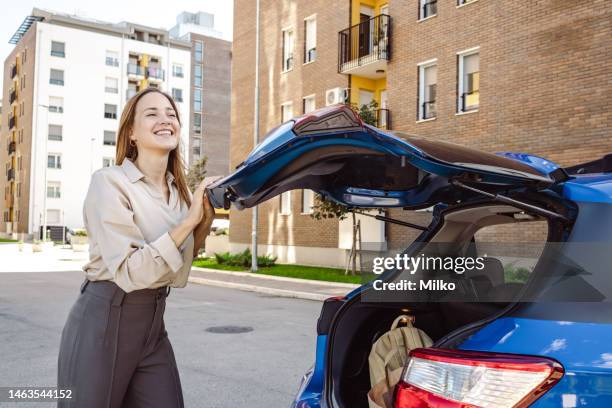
point(541, 339)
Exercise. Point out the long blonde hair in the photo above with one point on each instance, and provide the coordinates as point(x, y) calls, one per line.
point(125, 149)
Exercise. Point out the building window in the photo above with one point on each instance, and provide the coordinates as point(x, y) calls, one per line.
point(23, 82)
point(177, 94)
point(53, 217)
point(197, 75)
point(177, 70)
point(112, 58)
point(58, 49)
point(111, 85)
point(56, 77)
point(55, 133)
point(196, 147)
point(110, 111)
point(197, 123)
point(19, 190)
point(428, 80)
point(53, 189)
point(287, 51)
point(56, 104)
point(199, 47)
point(286, 111)
point(310, 39)
point(285, 203)
point(110, 138)
point(469, 80)
point(462, 2)
point(307, 201)
point(308, 104)
point(197, 100)
point(428, 8)
point(108, 161)
point(54, 161)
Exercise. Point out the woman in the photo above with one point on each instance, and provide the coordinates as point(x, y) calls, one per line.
point(144, 230)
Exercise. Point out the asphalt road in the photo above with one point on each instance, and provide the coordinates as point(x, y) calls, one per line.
point(260, 368)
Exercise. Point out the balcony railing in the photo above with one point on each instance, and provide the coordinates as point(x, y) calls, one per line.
point(470, 100)
point(13, 71)
point(155, 73)
point(10, 175)
point(12, 96)
point(12, 122)
point(12, 147)
point(429, 109)
point(383, 119)
point(135, 69)
point(429, 8)
point(364, 43)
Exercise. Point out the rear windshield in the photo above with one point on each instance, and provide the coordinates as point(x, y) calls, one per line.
point(579, 270)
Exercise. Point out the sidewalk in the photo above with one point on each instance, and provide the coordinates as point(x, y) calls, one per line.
point(271, 285)
point(59, 259)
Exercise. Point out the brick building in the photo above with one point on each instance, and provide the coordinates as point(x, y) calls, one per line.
point(493, 75)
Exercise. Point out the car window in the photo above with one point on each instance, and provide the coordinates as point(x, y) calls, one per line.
point(515, 247)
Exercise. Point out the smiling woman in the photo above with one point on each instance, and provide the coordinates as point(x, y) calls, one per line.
point(144, 228)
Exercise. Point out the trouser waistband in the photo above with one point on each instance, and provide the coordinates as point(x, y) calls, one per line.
point(111, 291)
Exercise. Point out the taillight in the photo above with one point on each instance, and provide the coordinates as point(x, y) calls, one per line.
point(456, 378)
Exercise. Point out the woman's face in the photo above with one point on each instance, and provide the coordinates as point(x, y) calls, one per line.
point(156, 126)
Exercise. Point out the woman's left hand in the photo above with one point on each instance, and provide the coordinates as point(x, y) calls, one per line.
point(202, 230)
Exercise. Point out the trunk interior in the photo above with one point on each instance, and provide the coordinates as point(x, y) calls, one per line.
point(363, 323)
point(363, 319)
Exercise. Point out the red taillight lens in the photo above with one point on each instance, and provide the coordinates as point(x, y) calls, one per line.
point(440, 378)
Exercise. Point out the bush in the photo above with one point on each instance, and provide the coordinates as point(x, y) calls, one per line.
point(516, 274)
point(80, 233)
point(243, 259)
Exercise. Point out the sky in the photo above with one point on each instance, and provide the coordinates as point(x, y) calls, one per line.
point(150, 13)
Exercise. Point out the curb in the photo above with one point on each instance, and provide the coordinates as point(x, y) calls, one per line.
point(278, 278)
point(261, 289)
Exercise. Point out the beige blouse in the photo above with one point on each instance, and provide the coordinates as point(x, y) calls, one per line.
point(128, 223)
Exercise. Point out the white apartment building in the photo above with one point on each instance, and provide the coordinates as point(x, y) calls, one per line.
point(76, 76)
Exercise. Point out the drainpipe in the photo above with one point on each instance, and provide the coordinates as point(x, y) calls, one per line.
point(255, 139)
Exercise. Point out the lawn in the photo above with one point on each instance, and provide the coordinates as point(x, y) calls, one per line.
point(290, 271)
point(5, 240)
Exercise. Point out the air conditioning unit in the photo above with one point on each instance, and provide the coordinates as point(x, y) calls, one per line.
point(336, 95)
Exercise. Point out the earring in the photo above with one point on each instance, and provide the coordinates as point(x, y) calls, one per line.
point(132, 143)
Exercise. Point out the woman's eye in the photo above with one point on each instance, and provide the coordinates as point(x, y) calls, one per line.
point(151, 114)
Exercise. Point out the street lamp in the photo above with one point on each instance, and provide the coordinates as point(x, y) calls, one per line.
point(45, 187)
point(255, 140)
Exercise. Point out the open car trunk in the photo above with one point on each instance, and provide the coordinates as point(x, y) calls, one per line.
point(447, 320)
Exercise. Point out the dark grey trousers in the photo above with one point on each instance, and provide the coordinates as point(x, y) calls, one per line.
point(115, 351)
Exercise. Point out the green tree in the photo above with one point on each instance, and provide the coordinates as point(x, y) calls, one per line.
point(324, 209)
point(196, 173)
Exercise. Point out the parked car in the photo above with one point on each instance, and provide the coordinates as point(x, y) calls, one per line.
point(545, 341)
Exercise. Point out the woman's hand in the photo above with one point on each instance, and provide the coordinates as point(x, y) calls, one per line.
point(202, 230)
point(196, 210)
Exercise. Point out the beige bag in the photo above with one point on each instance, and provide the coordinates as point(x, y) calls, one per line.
point(387, 359)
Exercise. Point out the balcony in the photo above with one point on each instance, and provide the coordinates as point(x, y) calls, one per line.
point(10, 176)
point(12, 147)
point(12, 96)
point(13, 71)
point(365, 48)
point(155, 73)
point(12, 122)
point(383, 119)
point(135, 70)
